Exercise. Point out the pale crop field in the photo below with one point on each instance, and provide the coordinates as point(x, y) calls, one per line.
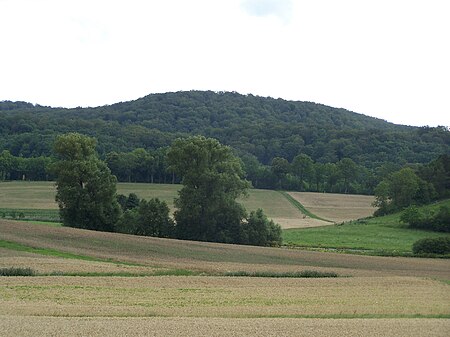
point(376, 296)
point(336, 207)
point(28, 326)
point(209, 257)
point(41, 195)
point(233, 297)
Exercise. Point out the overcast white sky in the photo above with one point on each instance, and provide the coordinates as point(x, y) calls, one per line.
point(384, 58)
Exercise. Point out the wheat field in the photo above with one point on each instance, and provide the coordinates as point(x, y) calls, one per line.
point(335, 207)
point(94, 283)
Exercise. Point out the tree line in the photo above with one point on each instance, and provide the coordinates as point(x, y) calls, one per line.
point(301, 174)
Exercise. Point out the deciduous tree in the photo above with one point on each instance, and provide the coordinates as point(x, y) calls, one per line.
point(86, 189)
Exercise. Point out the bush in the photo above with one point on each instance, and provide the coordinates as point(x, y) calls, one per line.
point(415, 218)
point(260, 231)
point(432, 246)
point(149, 218)
point(441, 221)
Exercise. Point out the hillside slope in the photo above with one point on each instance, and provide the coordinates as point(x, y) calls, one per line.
point(263, 127)
point(210, 257)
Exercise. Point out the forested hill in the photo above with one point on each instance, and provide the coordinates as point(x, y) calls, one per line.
point(263, 127)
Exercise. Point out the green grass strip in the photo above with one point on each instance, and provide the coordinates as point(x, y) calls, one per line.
point(301, 274)
point(47, 215)
point(167, 272)
point(301, 208)
point(13, 271)
point(52, 252)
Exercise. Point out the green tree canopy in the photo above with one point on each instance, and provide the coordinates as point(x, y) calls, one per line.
point(86, 189)
point(212, 180)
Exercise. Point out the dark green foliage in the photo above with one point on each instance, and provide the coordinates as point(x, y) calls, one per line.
point(212, 181)
point(12, 271)
point(149, 218)
point(258, 230)
point(128, 203)
point(262, 127)
point(437, 173)
point(132, 201)
point(154, 219)
point(432, 246)
point(400, 190)
point(415, 218)
point(85, 187)
point(442, 219)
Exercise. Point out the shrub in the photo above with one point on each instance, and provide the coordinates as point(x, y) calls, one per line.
point(149, 218)
point(432, 246)
point(415, 218)
point(260, 231)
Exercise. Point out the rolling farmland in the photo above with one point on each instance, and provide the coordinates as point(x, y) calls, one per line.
point(88, 282)
point(98, 283)
point(41, 195)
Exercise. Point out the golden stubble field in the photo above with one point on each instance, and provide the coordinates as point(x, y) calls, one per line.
point(335, 207)
point(377, 296)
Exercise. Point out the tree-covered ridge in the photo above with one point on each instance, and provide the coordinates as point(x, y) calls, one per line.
point(262, 127)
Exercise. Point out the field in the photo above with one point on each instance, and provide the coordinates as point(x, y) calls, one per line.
point(380, 235)
point(336, 207)
point(40, 201)
point(94, 283)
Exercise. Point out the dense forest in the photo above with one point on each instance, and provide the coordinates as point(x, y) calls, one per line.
point(262, 127)
point(283, 144)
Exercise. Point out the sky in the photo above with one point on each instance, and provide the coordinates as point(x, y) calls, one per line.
point(388, 59)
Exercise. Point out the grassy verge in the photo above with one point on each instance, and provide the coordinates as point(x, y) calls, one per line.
point(301, 208)
point(301, 274)
point(374, 236)
point(13, 271)
point(56, 253)
point(45, 215)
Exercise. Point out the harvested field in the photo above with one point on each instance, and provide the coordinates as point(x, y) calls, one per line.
point(41, 195)
point(300, 222)
point(220, 327)
point(212, 257)
point(54, 265)
point(336, 207)
point(28, 194)
point(385, 296)
point(235, 297)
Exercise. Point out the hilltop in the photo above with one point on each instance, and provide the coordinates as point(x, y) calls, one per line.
point(257, 126)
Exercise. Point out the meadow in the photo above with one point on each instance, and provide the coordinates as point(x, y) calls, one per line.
point(385, 235)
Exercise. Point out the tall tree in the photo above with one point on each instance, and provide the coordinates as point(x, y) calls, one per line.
point(348, 170)
point(86, 189)
point(303, 168)
point(212, 180)
point(280, 167)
